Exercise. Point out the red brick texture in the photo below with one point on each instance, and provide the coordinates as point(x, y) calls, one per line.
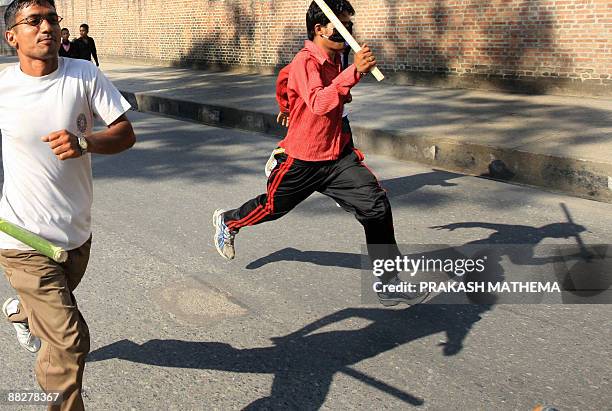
point(5, 49)
point(547, 42)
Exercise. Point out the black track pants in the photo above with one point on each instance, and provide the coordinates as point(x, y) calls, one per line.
point(347, 180)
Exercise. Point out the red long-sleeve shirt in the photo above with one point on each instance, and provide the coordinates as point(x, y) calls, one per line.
point(281, 89)
point(317, 90)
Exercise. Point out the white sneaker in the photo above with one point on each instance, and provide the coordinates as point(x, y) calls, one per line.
point(24, 336)
point(391, 298)
point(223, 238)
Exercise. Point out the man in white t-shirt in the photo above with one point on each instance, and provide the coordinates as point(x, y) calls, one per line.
point(47, 109)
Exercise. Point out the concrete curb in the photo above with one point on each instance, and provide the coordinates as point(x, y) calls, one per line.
point(581, 178)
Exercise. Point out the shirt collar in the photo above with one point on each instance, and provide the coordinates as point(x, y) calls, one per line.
point(318, 53)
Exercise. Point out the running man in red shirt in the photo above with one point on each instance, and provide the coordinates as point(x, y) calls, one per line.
point(317, 154)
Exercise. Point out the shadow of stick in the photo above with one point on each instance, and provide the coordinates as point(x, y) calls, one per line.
point(384, 387)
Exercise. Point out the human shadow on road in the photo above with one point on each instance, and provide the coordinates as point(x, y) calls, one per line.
point(521, 241)
point(304, 362)
point(322, 258)
point(518, 244)
point(399, 186)
point(502, 234)
point(517, 233)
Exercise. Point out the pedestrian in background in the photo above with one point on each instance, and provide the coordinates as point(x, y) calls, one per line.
point(86, 45)
point(68, 48)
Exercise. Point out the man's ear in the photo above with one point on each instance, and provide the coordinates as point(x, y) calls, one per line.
point(9, 36)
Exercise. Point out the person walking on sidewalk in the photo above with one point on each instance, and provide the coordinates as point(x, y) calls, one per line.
point(68, 48)
point(316, 154)
point(47, 107)
point(86, 45)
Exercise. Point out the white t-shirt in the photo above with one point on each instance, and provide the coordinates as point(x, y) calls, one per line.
point(41, 193)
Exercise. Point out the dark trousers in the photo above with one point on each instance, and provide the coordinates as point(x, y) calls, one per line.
point(346, 180)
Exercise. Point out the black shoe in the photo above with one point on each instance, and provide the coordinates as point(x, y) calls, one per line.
point(391, 298)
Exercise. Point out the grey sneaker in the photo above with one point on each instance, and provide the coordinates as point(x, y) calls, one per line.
point(389, 299)
point(24, 336)
point(224, 238)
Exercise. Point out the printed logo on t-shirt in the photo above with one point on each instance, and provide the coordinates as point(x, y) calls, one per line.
point(82, 123)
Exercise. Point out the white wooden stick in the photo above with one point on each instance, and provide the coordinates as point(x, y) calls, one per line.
point(344, 32)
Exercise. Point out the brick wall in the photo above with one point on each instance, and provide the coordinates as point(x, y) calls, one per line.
point(535, 45)
point(5, 49)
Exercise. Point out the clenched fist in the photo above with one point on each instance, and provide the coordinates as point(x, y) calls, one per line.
point(64, 144)
point(365, 60)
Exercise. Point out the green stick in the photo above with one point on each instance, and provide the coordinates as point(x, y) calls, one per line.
point(36, 242)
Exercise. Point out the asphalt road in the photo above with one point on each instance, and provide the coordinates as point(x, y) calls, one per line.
point(282, 326)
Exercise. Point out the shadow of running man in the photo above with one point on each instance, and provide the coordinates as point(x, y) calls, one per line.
point(502, 234)
point(516, 242)
point(304, 362)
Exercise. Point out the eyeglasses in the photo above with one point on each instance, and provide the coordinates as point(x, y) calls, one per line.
point(36, 20)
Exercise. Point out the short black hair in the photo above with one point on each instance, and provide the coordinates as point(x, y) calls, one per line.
point(84, 26)
point(316, 16)
point(17, 5)
point(65, 29)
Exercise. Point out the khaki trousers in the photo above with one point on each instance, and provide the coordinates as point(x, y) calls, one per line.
point(50, 309)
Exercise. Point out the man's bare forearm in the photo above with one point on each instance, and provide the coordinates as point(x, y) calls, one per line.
point(118, 137)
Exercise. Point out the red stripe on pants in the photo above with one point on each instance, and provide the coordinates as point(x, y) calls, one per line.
point(260, 212)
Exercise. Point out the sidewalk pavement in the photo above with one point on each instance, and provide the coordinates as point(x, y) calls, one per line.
point(559, 143)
